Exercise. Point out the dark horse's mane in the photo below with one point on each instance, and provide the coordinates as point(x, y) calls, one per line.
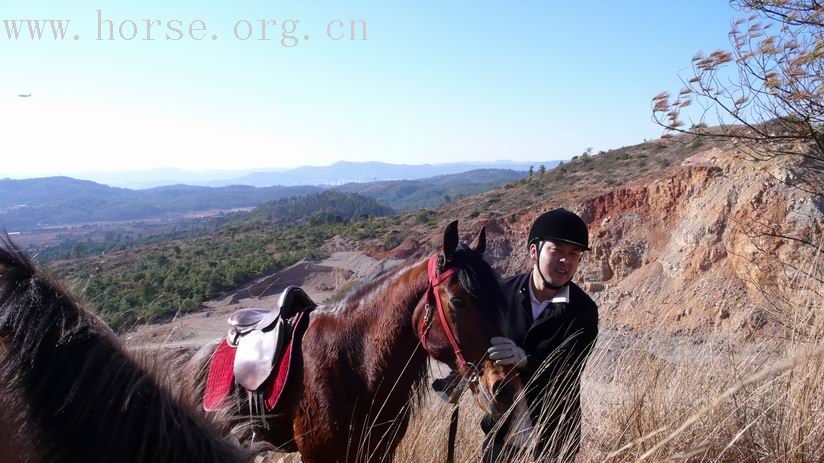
point(74, 391)
point(478, 278)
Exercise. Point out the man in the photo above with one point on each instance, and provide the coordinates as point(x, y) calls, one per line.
point(553, 325)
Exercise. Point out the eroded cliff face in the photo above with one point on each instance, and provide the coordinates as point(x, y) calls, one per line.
point(691, 249)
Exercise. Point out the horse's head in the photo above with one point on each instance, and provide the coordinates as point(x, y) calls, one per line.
point(461, 312)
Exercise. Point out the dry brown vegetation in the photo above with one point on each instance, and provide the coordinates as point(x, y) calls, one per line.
point(707, 402)
point(711, 402)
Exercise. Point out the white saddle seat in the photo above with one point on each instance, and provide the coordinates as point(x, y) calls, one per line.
point(256, 353)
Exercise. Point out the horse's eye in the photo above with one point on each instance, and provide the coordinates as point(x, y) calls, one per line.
point(456, 302)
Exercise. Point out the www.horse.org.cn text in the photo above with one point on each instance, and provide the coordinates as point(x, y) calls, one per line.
point(288, 33)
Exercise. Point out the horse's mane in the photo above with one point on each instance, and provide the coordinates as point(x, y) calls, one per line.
point(363, 293)
point(78, 395)
point(476, 276)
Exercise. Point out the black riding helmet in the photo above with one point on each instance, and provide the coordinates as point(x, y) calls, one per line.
point(558, 225)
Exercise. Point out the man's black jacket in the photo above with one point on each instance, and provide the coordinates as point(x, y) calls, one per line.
point(557, 345)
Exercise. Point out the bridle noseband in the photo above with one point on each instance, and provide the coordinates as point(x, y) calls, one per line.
point(467, 370)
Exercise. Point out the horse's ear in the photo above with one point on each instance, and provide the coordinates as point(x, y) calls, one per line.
point(479, 244)
point(450, 239)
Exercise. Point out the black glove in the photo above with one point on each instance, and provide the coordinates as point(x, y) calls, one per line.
point(446, 386)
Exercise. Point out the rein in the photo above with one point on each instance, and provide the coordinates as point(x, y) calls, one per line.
point(466, 369)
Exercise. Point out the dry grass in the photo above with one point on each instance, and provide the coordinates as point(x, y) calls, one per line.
point(653, 398)
point(659, 399)
point(713, 402)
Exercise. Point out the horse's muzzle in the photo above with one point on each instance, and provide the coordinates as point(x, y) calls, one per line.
point(500, 388)
point(501, 394)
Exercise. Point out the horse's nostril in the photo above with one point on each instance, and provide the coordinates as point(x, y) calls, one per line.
point(496, 387)
point(502, 391)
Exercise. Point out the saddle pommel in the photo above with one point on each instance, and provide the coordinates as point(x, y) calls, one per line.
point(292, 300)
point(244, 319)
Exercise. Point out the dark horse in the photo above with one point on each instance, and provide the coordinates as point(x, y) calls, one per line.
point(70, 393)
point(365, 359)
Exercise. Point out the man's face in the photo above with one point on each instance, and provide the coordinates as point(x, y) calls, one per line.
point(559, 260)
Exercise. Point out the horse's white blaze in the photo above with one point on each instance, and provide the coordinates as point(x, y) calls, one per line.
point(521, 429)
point(485, 400)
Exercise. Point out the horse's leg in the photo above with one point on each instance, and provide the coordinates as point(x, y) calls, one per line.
point(319, 436)
point(338, 418)
point(331, 423)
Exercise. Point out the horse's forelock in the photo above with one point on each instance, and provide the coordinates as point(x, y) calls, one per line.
point(478, 278)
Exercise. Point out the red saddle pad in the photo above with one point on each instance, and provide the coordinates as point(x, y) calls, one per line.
point(289, 362)
point(221, 376)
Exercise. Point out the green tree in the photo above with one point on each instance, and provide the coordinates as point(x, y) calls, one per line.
point(77, 251)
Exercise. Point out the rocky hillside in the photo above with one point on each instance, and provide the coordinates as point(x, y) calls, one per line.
point(696, 247)
point(687, 248)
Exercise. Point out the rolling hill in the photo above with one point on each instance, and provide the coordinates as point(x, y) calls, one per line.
point(53, 201)
point(343, 172)
point(406, 195)
point(56, 201)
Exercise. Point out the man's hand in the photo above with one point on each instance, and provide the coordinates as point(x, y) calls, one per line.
point(504, 351)
point(449, 388)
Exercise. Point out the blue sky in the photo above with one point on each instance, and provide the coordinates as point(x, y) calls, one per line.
point(434, 82)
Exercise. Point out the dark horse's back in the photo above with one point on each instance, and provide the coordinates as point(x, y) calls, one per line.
point(69, 392)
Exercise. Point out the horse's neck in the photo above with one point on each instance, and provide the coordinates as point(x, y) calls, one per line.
point(397, 355)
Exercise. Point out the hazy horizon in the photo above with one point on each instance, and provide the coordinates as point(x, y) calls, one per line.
point(500, 163)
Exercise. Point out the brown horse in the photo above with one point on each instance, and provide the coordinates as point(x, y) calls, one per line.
point(365, 359)
point(70, 393)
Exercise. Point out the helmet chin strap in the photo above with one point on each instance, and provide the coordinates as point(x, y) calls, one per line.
point(538, 266)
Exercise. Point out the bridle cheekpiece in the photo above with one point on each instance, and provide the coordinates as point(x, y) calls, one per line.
point(438, 275)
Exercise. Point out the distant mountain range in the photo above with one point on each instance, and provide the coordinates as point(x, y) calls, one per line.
point(55, 201)
point(336, 174)
point(404, 195)
point(165, 176)
point(360, 172)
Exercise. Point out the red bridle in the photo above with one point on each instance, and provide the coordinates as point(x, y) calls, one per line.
point(466, 369)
